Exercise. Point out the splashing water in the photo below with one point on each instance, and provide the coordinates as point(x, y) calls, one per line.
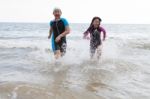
point(28, 69)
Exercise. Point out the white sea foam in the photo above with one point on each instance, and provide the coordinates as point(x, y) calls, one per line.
point(28, 69)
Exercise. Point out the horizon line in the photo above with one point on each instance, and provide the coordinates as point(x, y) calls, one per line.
point(75, 23)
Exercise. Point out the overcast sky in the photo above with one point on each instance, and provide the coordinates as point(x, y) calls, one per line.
point(76, 11)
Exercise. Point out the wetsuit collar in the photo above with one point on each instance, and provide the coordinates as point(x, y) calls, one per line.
point(57, 19)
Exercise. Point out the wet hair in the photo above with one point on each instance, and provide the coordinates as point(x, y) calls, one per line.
point(95, 19)
point(91, 27)
point(57, 9)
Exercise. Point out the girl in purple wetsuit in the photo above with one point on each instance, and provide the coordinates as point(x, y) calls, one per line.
point(95, 36)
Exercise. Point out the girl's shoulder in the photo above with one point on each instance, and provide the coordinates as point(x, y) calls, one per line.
point(102, 29)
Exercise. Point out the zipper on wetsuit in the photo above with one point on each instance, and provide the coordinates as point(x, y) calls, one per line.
point(57, 27)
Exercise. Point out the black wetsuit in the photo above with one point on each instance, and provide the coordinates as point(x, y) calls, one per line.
point(95, 40)
point(58, 27)
point(95, 35)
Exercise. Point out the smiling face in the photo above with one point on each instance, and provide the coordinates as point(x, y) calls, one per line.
point(96, 23)
point(57, 13)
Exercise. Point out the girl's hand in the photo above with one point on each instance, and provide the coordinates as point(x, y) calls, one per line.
point(49, 37)
point(58, 38)
point(103, 39)
point(88, 38)
point(84, 37)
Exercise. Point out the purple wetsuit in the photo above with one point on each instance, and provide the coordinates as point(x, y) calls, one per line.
point(95, 35)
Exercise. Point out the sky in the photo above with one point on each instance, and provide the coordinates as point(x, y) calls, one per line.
point(76, 11)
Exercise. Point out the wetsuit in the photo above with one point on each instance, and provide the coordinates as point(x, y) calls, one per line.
point(95, 35)
point(58, 27)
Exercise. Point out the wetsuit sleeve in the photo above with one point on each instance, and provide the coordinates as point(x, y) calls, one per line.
point(104, 32)
point(65, 22)
point(85, 34)
point(50, 23)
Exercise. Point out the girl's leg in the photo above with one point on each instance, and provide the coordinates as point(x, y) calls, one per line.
point(92, 52)
point(63, 49)
point(99, 51)
point(57, 54)
point(92, 55)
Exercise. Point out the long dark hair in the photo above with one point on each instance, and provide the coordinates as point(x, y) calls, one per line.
point(91, 27)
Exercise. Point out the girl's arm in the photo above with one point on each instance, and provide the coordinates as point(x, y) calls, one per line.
point(67, 31)
point(85, 34)
point(104, 33)
point(50, 33)
point(50, 30)
point(67, 28)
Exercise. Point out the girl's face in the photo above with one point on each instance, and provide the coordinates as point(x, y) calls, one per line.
point(96, 23)
point(57, 14)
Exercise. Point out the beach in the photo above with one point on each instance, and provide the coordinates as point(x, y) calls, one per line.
point(28, 69)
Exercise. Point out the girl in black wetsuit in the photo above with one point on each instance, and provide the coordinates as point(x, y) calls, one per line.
point(95, 36)
point(60, 29)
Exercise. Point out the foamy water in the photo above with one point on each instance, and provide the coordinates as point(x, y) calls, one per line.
point(28, 69)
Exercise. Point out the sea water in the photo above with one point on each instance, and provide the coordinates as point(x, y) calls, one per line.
point(28, 69)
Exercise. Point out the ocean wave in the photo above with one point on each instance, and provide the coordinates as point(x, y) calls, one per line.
point(28, 69)
point(23, 37)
